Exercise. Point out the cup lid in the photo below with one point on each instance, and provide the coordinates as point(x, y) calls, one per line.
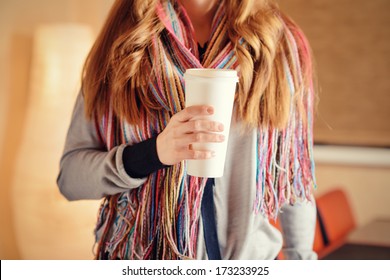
point(211, 73)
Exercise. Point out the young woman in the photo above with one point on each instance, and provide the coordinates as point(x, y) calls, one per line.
point(130, 134)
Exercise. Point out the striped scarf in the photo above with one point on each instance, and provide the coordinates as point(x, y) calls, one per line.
point(159, 220)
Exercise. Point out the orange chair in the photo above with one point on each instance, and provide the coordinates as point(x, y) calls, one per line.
point(336, 219)
point(276, 223)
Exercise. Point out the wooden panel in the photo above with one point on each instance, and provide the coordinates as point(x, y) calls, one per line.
point(351, 45)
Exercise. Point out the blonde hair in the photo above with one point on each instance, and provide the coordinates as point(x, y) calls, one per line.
point(112, 69)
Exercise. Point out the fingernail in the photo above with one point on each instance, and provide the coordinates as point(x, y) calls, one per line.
point(210, 110)
point(222, 137)
point(220, 127)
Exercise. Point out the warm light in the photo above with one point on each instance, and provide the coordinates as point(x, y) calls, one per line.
point(46, 225)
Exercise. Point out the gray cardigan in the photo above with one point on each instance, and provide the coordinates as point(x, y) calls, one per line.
point(88, 171)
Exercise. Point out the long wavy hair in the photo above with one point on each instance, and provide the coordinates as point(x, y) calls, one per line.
point(113, 69)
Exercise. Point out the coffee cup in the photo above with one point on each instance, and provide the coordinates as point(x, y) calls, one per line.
point(216, 88)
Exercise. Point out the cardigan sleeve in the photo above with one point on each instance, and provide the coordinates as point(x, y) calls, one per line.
point(87, 169)
point(298, 227)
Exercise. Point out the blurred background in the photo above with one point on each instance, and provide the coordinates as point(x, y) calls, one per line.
point(42, 49)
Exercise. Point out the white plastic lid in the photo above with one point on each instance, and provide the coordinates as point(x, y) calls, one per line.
point(211, 73)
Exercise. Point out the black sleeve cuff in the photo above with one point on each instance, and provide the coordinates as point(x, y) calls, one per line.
point(141, 159)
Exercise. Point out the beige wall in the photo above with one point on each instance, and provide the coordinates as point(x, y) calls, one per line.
point(18, 20)
point(366, 186)
point(351, 44)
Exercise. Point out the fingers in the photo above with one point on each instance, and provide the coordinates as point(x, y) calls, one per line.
point(203, 138)
point(193, 111)
point(185, 128)
point(171, 151)
point(185, 150)
point(192, 154)
point(186, 140)
point(199, 125)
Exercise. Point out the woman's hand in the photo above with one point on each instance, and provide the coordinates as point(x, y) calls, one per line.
point(174, 142)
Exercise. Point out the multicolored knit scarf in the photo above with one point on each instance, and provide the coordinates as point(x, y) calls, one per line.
point(159, 220)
